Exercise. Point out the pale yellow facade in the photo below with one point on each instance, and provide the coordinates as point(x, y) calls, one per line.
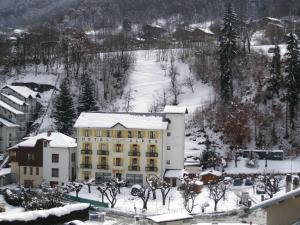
point(119, 152)
point(27, 175)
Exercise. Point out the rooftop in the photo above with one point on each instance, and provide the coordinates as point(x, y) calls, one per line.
point(24, 91)
point(9, 108)
point(8, 123)
point(14, 99)
point(175, 109)
point(129, 121)
point(170, 217)
point(277, 200)
point(56, 140)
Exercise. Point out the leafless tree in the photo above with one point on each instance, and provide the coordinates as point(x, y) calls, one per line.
point(110, 191)
point(128, 98)
point(142, 192)
point(189, 194)
point(165, 188)
point(175, 88)
point(217, 191)
point(153, 182)
point(271, 183)
point(189, 82)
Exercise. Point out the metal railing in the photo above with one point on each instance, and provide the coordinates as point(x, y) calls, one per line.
point(86, 152)
point(151, 154)
point(86, 166)
point(151, 168)
point(103, 167)
point(103, 152)
point(134, 153)
point(134, 168)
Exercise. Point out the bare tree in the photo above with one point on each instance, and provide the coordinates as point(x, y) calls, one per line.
point(165, 188)
point(142, 192)
point(189, 194)
point(217, 191)
point(175, 87)
point(271, 184)
point(78, 189)
point(128, 98)
point(153, 182)
point(110, 191)
point(189, 82)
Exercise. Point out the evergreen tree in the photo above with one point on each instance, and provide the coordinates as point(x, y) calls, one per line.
point(292, 69)
point(275, 71)
point(87, 100)
point(64, 113)
point(228, 51)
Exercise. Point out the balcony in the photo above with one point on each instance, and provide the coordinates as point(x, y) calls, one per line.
point(103, 152)
point(151, 154)
point(134, 168)
point(134, 153)
point(151, 169)
point(103, 167)
point(86, 166)
point(86, 152)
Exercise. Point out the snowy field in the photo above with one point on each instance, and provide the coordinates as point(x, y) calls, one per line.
point(148, 80)
point(174, 201)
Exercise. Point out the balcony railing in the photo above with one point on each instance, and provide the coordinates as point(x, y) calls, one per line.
point(152, 168)
point(103, 167)
point(86, 166)
point(103, 152)
point(151, 154)
point(134, 153)
point(86, 152)
point(134, 168)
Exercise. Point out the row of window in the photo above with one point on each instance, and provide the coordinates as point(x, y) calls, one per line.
point(55, 158)
point(54, 171)
point(121, 134)
point(119, 147)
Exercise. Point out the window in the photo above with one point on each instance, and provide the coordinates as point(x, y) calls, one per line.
point(129, 134)
point(86, 160)
point(37, 171)
point(140, 134)
point(86, 175)
point(55, 172)
point(30, 156)
point(103, 161)
point(104, 147)
point(99, 133)
point(168, 162)
point(31, 171)
point(86, 133)
point(168, 147)
point(134, 148)
point(119, 134)
point(168, 133)
point(108, 133)
point(25, 170)
point(55, 158)
point(73, 157)
point(134, 162)
point(152, 148)
point(118, 148)
point(45, 144)
point(152, 134)
point(118, 162)
point(151, 162)
point(10, 137)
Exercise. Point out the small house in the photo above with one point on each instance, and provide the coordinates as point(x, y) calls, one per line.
point(171, 219)
point(210, 175)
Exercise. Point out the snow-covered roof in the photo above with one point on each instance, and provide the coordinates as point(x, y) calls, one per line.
point(174, 173)
point(34, 215)
point(9, 108)
point(5, 171)
point(170, 217)
point(24, 91)
point(175, 109)
point(273, 19)
point(8, 123)
point(56, 140)
point(14, 99)
point(277, 200)
point(130, 121)
point(213, 172)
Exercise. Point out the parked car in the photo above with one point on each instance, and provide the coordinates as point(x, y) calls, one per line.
point(248, 182)
point(237, 182)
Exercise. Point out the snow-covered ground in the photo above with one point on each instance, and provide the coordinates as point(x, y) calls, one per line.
point(274, 166)
point(174, 202)
point(148, 80)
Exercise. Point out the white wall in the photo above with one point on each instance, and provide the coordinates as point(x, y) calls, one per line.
point(176, 141)
point(64, 164)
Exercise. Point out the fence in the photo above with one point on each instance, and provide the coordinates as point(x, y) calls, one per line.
point(83, 200)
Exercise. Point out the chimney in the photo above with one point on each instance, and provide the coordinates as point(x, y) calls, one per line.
point(288, 180)
point(48, 133)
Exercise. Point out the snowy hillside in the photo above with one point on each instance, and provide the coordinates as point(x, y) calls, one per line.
point(150, 78)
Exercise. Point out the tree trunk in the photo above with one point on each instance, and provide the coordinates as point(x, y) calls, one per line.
point(144, 204)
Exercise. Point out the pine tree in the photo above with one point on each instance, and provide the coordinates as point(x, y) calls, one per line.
point(292, 69)
point(64, 113)
point(275, 71)
point(228, 51)
point(87, 100)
